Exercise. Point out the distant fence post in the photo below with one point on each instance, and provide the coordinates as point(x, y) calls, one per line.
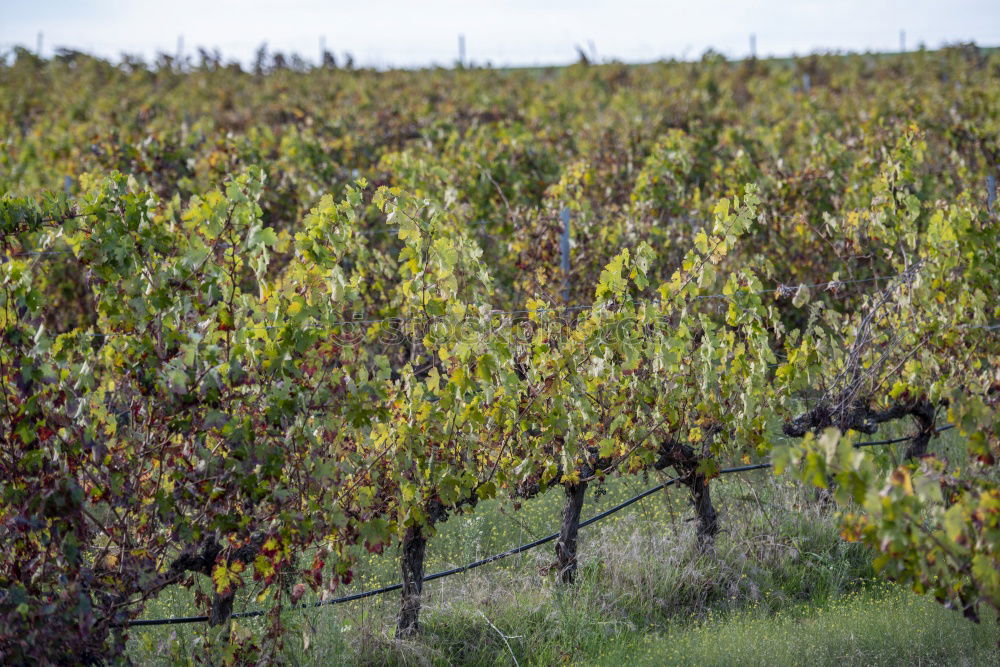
point(564, 251)
point(991, 190)
point(67, 185)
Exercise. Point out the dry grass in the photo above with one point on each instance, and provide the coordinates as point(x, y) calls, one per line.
point(644, 591)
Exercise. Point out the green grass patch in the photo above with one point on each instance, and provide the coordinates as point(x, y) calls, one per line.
point(780, 587)
point(885, 625)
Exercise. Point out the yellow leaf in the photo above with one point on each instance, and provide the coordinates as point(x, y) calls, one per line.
point(263, 566)
point(222, 578)
point(901, 477)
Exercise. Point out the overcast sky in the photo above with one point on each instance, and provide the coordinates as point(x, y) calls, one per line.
point(511, 32)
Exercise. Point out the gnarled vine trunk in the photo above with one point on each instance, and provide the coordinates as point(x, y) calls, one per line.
point(923, 414)
point(701, 499)
point(685, 461)
point(222, 608)
point(566, 547)
point(203, 557)
point(412, 567)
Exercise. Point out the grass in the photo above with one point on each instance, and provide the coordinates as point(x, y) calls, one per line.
point(780, 587)
point(883, 625)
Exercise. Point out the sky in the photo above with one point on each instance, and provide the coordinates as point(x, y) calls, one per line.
point(393, 33)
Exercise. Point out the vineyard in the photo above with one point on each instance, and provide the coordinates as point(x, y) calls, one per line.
point(269, 335)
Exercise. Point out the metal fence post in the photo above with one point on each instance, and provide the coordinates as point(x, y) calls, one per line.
point(564, 249)
point(991, 190)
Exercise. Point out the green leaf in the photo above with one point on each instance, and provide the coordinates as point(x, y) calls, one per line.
point(607, 448)
point(701, 242)
point(801, 297)
point(264, 236)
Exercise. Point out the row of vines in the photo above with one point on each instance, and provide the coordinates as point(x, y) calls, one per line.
point(256, 325)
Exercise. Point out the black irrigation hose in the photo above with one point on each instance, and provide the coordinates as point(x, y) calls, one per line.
point(894, 441)
point(437, 575)
point(485, 561)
